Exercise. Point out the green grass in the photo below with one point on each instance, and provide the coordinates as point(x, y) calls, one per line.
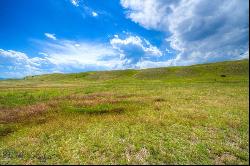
point(178, 115)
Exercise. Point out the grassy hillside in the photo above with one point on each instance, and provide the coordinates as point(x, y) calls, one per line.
point(198, 72)
point(177, 115)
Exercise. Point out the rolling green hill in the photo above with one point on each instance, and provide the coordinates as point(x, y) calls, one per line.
point(198, 72)
point(172, 115)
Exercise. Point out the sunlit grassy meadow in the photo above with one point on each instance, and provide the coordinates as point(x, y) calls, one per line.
point(177, 115)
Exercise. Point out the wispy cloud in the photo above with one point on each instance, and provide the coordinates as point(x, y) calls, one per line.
point(75, 56)
point(60, 56)
point(86, 10)
point(75, 2)
point(50, 36)
point(71, 53)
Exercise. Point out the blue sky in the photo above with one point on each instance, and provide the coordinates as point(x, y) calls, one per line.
point(65, 36)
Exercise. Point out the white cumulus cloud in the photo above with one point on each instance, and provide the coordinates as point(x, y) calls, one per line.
point(18, 64)
point(200, 30)
point(134, 49)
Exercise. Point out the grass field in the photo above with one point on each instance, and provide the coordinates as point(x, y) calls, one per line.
point(177, 115)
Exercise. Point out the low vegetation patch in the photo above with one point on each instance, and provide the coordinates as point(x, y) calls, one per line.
point(98, 109)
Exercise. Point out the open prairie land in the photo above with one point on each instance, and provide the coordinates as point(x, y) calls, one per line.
point(177, 115)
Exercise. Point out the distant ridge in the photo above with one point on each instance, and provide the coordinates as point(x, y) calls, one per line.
point(210, 71)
